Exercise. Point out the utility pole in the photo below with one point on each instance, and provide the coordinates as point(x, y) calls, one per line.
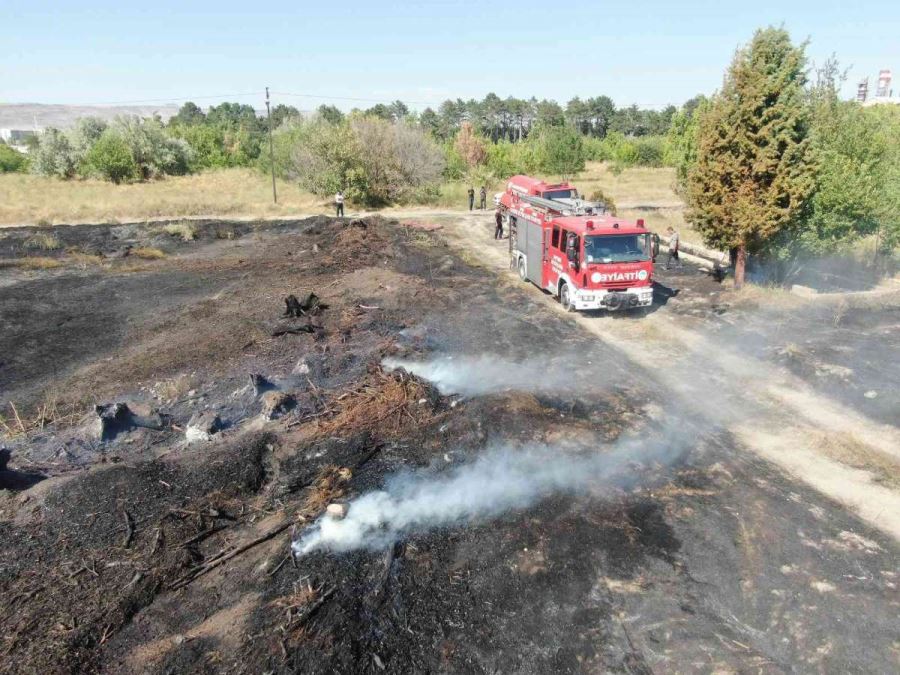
point(271, 147)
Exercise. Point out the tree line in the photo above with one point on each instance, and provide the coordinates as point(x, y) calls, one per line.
point(233, 134)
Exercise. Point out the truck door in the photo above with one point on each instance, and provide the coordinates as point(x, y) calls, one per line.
point(556, 257)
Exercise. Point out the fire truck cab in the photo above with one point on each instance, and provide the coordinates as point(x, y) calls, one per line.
point(588, 261)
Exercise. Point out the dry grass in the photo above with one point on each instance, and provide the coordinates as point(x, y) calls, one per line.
point(50, 411)
point(38, 263)
point(632, 188)
point(43, 242)
point(84, 259)
point(386, 403)
point(752, 296)
point(329, 486)
point(27, 199)
point(185, 230)
point(148, 253)
point(846, 449)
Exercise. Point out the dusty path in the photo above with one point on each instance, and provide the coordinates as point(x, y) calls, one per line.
point(772, 413)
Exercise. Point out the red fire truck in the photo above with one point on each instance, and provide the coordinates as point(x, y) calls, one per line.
point(575, 249)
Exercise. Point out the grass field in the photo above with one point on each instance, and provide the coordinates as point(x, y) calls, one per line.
point(25, 199)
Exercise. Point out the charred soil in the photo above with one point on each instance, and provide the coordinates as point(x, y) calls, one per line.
point(145, 552)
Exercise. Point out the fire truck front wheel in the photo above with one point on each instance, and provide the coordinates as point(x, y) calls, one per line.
point(523, 273)
point(565, 298)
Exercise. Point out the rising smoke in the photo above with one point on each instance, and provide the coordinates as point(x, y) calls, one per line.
point(499, 480)
point(480, 375)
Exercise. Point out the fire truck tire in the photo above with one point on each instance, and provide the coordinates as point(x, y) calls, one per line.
point(523, 273)
point(564, 298)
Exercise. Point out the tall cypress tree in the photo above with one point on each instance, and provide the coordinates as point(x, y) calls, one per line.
point(754, 173)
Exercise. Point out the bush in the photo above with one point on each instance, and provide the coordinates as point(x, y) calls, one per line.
point(505, 159)
point(557, 150)
point(110, 158)
point(648, 151)
point(11, 160)
point(207, 145)
point(598, 195)
point(372, 160)
point(54, 155)
point(86, 132)
point(154, 151)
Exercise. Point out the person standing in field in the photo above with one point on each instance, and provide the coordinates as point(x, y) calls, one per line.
point(339, 203)
point(498, 231)
point(483, 196)
point(673, 248)
point(471, 194)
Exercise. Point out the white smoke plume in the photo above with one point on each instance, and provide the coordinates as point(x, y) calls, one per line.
point(474, 376)
point(499, 480)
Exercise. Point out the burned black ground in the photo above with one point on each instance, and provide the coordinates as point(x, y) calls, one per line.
point(710, 561)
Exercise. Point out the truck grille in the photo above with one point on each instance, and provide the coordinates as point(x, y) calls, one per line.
point(617, 286)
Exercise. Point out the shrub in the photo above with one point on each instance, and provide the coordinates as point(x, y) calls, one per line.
point(470, 145)
point(505, 159)
point(54, 155)
point(648, 151)
point(110, 158)
point(154, 152)
point(372, 160)
point(11, 160)
point(86, 132)
point(558, 150)
point(598, 195)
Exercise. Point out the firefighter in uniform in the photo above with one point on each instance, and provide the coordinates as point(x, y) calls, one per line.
point(483, 196)
point(673, 248)
point(471, 194)
point(498, 231)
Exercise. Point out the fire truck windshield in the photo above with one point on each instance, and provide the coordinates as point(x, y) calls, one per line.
point(616, 248)
point(560, 194)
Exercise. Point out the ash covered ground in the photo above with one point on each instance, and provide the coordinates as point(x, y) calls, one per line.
point(661, 547)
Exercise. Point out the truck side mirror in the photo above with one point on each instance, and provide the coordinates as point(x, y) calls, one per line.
point(572, 254)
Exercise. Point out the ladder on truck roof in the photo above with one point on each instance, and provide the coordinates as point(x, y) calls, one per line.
point(549, 204)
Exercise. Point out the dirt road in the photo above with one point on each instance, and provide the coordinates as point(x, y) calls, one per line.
point(136, 551)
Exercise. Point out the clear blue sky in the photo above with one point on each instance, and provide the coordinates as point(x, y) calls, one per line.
point(646, 52)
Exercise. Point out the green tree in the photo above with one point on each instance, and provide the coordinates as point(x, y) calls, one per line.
point(680, 149)
point(558, 150)
point(54, 155)
point(155, 152)
point(110, 158)
point(331, 114)
point(86, 132)
point(857, 153)
point(188, 114)
point(753, 174)
point(282, 112)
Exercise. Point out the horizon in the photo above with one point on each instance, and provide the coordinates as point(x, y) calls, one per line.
point(650, 55)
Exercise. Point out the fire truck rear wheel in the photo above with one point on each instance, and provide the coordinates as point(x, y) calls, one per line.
point(564, 298)
point(523, 274)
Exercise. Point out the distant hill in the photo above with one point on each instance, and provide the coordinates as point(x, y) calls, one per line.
point(26, 115)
